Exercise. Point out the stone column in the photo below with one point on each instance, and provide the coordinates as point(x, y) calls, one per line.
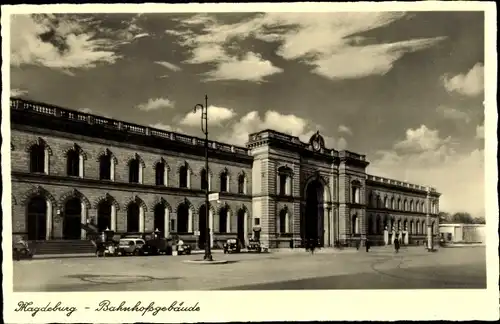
point(228, 223)
point(386, 236)
point(211, 226)
point(113, 217)
point(188, 180)
point(166, 228)
point(80, 166)
point(48, 234)
point(190, 220)
point(112, 171)
point(141, 219)
point(83, 220)
point(228, 181)
point(141, 171)
point(245, 227)
point(46, 161)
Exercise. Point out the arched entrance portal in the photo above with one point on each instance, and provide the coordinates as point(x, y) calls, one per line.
point(37, 219)
point(104, 215)
point(133, 218)
point(72, 219)
point(202, 226)
point(241, 226)
point(159, 218)
point(313, 219)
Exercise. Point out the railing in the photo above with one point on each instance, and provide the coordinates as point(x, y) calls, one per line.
point(63, 113)
point(397, 183)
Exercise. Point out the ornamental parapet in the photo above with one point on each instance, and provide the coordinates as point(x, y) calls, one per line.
point(401, 184)
point(34, 107)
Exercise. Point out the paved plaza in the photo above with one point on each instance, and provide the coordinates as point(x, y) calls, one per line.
point(381, 268)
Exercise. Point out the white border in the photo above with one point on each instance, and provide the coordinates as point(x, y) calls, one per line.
point(277, 305)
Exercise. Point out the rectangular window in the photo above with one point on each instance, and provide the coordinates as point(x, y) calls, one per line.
point(172, 226)
point(257, 221)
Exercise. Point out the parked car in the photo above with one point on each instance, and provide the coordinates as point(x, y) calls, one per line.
point(183, 248)
point(157, 244)
point(254, 246)
point(131, 246)
point(232, 245)
point(21, 250)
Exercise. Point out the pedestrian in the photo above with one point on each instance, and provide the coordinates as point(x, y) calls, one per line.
point(396, 245)
point(312, 246)
point(358, 244)
point(367, 245)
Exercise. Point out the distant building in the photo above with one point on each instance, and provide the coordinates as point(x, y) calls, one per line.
point(70, 167)
point(463, 233)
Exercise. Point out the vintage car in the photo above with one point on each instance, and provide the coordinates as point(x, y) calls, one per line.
point(156, 244)
point(254, 246)
point(21, 250)
point(105, 244)
point(232, 245)
point(183, 248)
point(131, 246)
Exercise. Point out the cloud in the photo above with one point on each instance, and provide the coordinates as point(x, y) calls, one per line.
point(168, 65)
point(216, 115)
point(452, 113)
point(328, 42)
point(252, 122)
point(344, 129)
point(469, 84)
point(480, 131)
point(59, 42)
point(251, 68)
point(18, 92)
point(426, 158)
point(157, 103)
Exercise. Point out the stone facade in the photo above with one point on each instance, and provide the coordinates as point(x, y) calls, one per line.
point(279, 188)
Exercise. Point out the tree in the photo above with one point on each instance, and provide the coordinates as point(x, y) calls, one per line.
point(462, 218)
point(444, 217)
point(479, 220)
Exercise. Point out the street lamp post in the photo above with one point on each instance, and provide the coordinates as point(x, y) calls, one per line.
point(204, 128)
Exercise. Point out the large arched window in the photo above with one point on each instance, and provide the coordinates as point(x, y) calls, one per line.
point(73, 163)
point(379, 202)
point(285, 176)
point(386, 202)
point(405, 205)
point(242, 184)
point(400, 204)
point(371, 200)
point(161, 173)
point(36, 218)
point(135, 170)
point(393, 203)
point(224, 181)
point(411, 205)
point(224, 219)
point(38, 158)
point(183, 218)
point(106, 166)
point(370, 225)
point(417, 227)
point(133, 216)
point(355, 192)
point(204, 179)
point(378, 225)
point(184, 176)
point(104, 211)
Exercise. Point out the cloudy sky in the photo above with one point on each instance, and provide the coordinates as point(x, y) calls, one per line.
point(406, 89)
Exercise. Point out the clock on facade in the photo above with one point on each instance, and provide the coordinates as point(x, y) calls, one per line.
point(317, 142)
point(316, 145)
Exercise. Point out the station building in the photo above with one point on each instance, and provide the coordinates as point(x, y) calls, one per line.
point(70, 167)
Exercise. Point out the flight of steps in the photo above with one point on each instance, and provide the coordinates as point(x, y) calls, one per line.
point(62, 247)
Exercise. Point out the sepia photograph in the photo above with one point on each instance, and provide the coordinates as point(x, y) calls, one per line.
point(244, 150)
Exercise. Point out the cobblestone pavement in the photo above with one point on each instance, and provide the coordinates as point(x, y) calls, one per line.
point(378, 269)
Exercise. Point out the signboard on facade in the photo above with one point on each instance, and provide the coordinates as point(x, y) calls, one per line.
point(213, 196)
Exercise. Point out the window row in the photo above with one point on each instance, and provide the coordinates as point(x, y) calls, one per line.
point(39, 163)
point(397, 204)
point(377, 226)
point(39, 218)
